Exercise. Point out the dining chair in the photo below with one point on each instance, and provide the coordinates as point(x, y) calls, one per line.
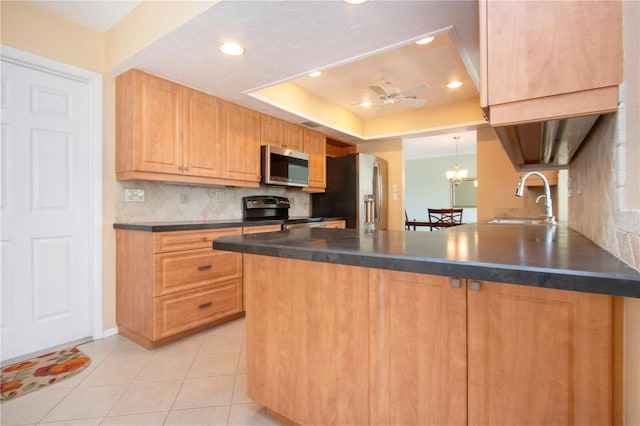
point(406, 221)
point(444, 218)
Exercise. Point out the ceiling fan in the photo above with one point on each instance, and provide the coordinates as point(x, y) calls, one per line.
point(391, 95)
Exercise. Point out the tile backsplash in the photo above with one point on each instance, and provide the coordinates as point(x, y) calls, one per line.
point(172, 202)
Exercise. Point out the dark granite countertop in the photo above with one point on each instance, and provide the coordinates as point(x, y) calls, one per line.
point(538, 255)
point(202, 224)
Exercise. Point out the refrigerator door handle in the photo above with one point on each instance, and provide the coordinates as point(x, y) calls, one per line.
point(377, 192)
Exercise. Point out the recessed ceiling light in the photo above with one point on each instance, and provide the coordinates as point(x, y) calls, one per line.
point(365, 104)
point(355, 1)
point(425, 40)
point(315, 74)
point(454, 84)
point(231, 48)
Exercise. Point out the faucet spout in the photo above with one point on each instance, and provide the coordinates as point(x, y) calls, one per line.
point(551, 220)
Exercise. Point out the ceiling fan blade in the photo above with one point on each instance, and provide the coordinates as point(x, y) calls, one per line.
point(415, 90)
point(416, 103)
point(379, 90)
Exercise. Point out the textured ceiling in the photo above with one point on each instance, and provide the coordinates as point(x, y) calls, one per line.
point(356, 45)
point(97, 14)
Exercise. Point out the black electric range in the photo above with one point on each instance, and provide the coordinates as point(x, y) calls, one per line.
point(266, 207)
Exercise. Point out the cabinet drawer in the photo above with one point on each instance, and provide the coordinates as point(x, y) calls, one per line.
point(261, 229)
point(182, 311)
point(189, 240)
point(190, 269)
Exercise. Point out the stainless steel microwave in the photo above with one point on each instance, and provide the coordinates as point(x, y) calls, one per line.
point(284, 167)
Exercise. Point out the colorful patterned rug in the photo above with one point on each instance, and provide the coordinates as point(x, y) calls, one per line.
point(27, 376)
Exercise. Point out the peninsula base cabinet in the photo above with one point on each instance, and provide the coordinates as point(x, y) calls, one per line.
point(172, 284)
point(352, 345)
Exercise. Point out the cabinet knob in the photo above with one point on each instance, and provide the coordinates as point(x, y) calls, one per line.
point(204, 238)
point(204, 267)
point(180, 168)
point(455, 283)
point(186, 169)
point(474, 286)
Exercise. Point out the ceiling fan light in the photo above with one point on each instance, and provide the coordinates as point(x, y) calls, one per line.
point(315, 74)
point(454, 84)
point(231, 48)
point(451, 174)
point(425, 40)
point(366, 104)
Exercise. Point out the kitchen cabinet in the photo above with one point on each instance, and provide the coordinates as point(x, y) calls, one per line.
point(169, 132)
point(399, 348)
point(260, 229)
point(505, 354)
point(281, 133)
point(148, 125)
point(240, 139)
point(172, 284)
point(315, 145)
point(418, 350)
point(307, 344)
point(547, 60)
point(539, 356)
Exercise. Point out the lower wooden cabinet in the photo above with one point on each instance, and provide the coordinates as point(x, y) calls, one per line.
point(394, 348)
point(171, 284)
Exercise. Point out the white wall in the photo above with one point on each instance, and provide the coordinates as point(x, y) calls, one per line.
point(426, 185)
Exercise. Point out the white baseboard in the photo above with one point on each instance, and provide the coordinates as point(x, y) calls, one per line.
point(110, 332)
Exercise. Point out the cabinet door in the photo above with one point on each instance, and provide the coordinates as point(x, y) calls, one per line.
point(293, 136)
point(158, 144)
point(539, 356)
point(240, 139)
point(307, 339)
point(537, 49)
point(201, 146)
point(271, 131)
point(315, 145)
point(418, 350)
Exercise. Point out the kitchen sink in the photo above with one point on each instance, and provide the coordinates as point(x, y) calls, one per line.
point(519, 221)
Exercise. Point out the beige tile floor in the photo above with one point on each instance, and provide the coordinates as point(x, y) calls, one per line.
point(199, 380)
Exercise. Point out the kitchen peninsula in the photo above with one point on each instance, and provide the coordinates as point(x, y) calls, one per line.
point(469, 325)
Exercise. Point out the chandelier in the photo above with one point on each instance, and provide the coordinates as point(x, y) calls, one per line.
point(456, 175)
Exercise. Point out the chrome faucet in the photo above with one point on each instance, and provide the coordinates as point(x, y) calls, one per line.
point(551, 220)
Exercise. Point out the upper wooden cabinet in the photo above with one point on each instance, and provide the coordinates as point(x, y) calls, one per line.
point(548, 60)
point(315, 145)
point(280, 133)
point(201, 150)
point(240, 142)
point(168, 132)
point(148, 124)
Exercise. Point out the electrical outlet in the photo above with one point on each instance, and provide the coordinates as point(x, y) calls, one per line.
point(134, 195)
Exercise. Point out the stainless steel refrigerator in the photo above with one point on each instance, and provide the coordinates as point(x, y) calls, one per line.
point(356, 190)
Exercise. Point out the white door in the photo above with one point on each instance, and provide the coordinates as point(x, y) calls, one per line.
point(45, 211)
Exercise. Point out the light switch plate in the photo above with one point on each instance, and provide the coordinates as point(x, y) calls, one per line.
point(134, 195)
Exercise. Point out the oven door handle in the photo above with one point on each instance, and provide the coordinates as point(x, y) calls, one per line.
point(304, 225)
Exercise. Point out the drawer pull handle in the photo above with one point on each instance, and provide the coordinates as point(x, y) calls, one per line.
point(205, 305)
point(204, 267)
point(204, 238)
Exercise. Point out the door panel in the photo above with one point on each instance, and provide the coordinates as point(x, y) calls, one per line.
point(418, 350)
point(539, 356)
point(45, 211)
